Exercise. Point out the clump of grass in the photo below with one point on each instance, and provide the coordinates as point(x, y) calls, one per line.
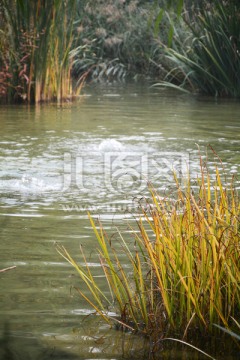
point(204, 56)
point(184, 266)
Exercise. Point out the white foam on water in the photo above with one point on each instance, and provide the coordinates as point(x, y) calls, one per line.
point(28, 184)
point(110, 145)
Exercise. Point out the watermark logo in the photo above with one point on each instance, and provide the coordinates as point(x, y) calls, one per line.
point(123, 172)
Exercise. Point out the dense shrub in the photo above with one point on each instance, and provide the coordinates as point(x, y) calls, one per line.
point(115, 39)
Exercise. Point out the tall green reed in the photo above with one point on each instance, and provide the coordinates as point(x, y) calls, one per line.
point(183, 273)
point(204, 56)
point(36, 49)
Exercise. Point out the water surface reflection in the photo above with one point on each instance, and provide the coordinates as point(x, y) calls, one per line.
point(56, 162)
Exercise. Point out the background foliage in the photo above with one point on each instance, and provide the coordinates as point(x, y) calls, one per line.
point(48, 48)
point(114, 39)
point(205, 53)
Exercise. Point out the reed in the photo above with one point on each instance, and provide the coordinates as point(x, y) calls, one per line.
point(230, 332)
point(35, 59)
point(204, 56)
point(184, 268)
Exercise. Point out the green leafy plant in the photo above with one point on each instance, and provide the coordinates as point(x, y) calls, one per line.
point(116, 39)
point(204, 56)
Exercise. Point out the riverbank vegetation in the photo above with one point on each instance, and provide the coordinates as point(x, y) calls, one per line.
point(182, 279)
point(115, 40)
point(205, 52)
point(35, 41)
point(48, 48)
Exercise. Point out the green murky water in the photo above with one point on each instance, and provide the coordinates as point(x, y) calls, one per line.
point(57, 162)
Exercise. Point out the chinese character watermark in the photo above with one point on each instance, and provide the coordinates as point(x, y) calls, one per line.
point(121, 172)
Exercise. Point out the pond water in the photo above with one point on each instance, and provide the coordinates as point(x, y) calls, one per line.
point(97, 154)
